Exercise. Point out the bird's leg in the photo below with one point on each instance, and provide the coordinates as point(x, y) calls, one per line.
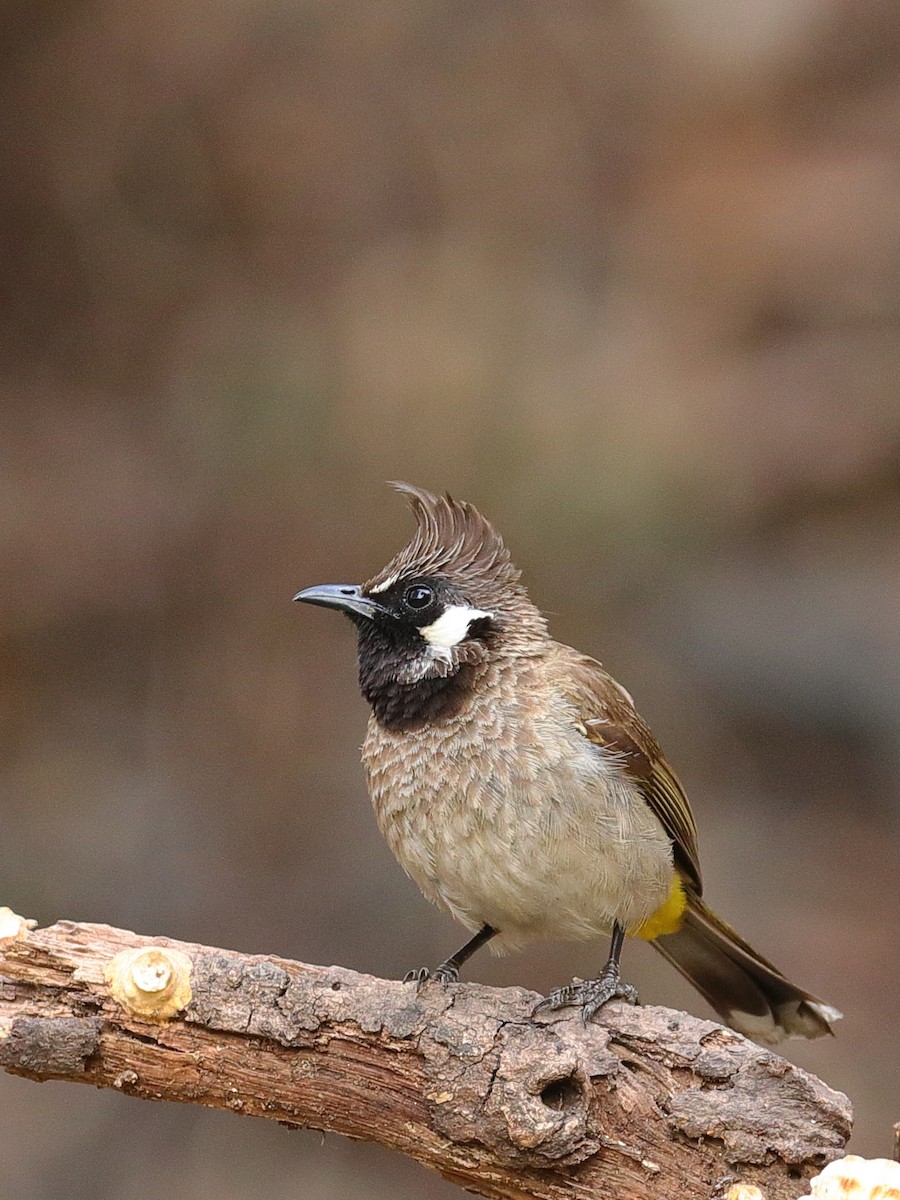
point(592, 994)
point(448, 971)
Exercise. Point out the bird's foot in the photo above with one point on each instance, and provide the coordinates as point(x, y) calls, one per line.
point(445, 973)
point(590, 994)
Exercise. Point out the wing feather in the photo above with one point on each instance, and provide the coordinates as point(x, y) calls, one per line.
point(609, 719)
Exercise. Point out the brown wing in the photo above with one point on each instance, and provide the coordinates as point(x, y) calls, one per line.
point(610, 720)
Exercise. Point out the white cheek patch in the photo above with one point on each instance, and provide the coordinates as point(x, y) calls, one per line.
point(452, 627)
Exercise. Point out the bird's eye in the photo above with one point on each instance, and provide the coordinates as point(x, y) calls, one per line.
point(419, 596)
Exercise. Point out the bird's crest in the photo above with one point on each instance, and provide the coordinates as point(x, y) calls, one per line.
point(452, 539)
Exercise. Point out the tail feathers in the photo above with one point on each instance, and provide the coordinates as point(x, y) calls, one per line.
point(747, 992)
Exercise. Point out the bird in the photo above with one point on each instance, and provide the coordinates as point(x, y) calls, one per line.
point(516, 783)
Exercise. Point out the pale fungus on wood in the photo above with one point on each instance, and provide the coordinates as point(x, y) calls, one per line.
point(855, 1178)
point(14, 926)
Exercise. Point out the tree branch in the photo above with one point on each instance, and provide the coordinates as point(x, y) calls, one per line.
point(644, 1104)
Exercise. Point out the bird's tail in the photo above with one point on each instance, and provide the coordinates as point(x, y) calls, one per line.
point(747, 992)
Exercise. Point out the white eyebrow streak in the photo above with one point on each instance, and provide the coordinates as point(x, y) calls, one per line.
point(383, 587)
point(452, 626)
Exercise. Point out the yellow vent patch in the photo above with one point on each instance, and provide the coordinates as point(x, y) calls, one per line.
point(667, 918)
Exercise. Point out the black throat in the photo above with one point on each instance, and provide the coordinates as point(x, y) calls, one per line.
point(403, 706)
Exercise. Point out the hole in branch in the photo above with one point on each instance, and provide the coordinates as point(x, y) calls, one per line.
point(560, 1094)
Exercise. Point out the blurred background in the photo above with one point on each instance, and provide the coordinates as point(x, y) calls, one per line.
point(625, 275)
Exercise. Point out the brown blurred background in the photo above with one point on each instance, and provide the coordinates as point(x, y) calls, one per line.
point(627, 275)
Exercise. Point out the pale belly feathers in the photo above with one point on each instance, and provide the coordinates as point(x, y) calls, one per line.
point(552, 845)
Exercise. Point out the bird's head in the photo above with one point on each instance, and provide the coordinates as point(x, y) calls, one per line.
point(448, 602)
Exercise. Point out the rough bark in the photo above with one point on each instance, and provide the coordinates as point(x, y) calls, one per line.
point(644, 1104)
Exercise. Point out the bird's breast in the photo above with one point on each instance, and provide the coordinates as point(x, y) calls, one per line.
point(507, 816)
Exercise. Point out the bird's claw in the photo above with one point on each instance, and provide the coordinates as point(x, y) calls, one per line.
point(590, 995)
point(445, 973)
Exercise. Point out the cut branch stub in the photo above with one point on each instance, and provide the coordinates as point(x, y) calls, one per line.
point(153, 982)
